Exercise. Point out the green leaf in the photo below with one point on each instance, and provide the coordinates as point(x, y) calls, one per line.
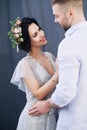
point(9, 33)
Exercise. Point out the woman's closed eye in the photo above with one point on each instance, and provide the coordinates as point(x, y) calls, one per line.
point(35, 34)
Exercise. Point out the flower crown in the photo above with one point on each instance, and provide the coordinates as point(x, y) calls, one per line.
point(15, 34)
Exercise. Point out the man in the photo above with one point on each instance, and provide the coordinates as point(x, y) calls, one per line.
point(71, 91)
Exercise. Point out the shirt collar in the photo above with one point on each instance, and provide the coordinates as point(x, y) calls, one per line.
point(75, 27)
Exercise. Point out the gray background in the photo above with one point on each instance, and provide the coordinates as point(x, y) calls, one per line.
point(13, 100)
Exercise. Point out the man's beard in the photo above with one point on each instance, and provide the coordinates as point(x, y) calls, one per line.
point(66, 28)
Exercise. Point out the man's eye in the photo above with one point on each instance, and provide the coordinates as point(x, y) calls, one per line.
point(56, 16)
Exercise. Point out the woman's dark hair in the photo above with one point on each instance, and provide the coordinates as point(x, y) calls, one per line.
point(26, 44)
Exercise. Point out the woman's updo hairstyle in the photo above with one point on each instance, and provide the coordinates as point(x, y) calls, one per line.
point(25, 23)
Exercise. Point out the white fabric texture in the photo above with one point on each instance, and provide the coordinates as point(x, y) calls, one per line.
point(25, 68)
point(71, 91)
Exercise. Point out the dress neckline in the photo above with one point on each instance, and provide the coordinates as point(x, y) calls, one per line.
point(42, 65)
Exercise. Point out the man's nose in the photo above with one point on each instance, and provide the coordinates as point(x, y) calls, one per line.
point(55, 20)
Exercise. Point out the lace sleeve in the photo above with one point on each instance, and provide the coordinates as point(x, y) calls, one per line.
point(22, 70)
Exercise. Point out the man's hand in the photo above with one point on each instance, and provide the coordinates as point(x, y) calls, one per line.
point(40, 107)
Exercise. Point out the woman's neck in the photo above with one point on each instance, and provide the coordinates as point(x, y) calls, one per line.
point(36, 53)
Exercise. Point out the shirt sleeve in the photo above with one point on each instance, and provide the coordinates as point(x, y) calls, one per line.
point(21, 71)
point(66, 89)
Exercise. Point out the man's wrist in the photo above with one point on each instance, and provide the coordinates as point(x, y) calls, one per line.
point(50, 102)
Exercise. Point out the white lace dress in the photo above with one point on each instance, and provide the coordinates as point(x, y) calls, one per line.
point(27, 122)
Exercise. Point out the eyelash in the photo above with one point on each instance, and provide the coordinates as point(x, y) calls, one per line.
point(35, 35)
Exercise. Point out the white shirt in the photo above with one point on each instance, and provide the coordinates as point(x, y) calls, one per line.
point(71, 91)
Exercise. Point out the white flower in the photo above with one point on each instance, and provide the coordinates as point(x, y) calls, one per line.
point(17, 30)
point(18, 22)
point(21, 39)
point(16, 35)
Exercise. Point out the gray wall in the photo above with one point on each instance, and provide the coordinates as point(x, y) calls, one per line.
point(13, 100)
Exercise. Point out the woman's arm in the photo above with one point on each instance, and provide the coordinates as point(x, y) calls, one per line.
point(41, 91)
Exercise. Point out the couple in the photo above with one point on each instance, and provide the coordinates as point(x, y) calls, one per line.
point(37, 76)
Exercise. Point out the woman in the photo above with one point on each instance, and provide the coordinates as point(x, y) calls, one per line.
point(36, 75)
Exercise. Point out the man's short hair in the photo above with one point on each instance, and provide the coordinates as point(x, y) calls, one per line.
point(74, 3)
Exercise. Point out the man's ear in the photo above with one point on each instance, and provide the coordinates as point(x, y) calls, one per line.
point(71, 12)
point(71, 15)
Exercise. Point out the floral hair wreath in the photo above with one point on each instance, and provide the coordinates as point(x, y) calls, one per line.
point(15, 34)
